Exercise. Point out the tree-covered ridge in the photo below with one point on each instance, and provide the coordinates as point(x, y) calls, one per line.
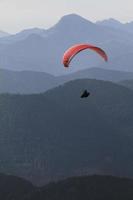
point(87, 188)
point(57, 134)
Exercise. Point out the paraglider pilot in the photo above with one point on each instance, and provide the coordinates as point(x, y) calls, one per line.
point(85, 94)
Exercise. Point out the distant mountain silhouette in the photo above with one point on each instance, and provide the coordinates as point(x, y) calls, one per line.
point(25, 82)
point(29, 82)
point(23, 35)
point(113, 23)
point(116, 24)
point(57, 134)
point(42, 50)
point(99, 74)
point(127, 83)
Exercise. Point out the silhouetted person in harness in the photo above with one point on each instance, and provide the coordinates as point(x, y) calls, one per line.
point(85, 94)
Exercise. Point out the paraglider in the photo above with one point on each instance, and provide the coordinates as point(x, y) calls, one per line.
point(74, 50)
point(85, 94)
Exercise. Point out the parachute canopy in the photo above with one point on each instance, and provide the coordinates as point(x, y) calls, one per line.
point(72, 51)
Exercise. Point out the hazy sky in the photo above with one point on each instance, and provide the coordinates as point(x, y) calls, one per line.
point(16, 15)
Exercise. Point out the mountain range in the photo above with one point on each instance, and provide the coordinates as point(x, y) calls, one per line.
point(113, 23)
point(56, 134)
point(29, 82)
point(47, 131)
point(87, 188)
point(76, 188)
point(41, 50)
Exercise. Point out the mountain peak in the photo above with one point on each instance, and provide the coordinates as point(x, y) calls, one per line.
point(72, 20)
point(33, 30)
point(110, 22)
point(113, 20)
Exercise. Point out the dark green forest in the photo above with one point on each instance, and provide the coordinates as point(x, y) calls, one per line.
point(75, 188)
point(56, 134)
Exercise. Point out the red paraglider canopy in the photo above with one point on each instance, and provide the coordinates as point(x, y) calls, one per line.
point(72, 51)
